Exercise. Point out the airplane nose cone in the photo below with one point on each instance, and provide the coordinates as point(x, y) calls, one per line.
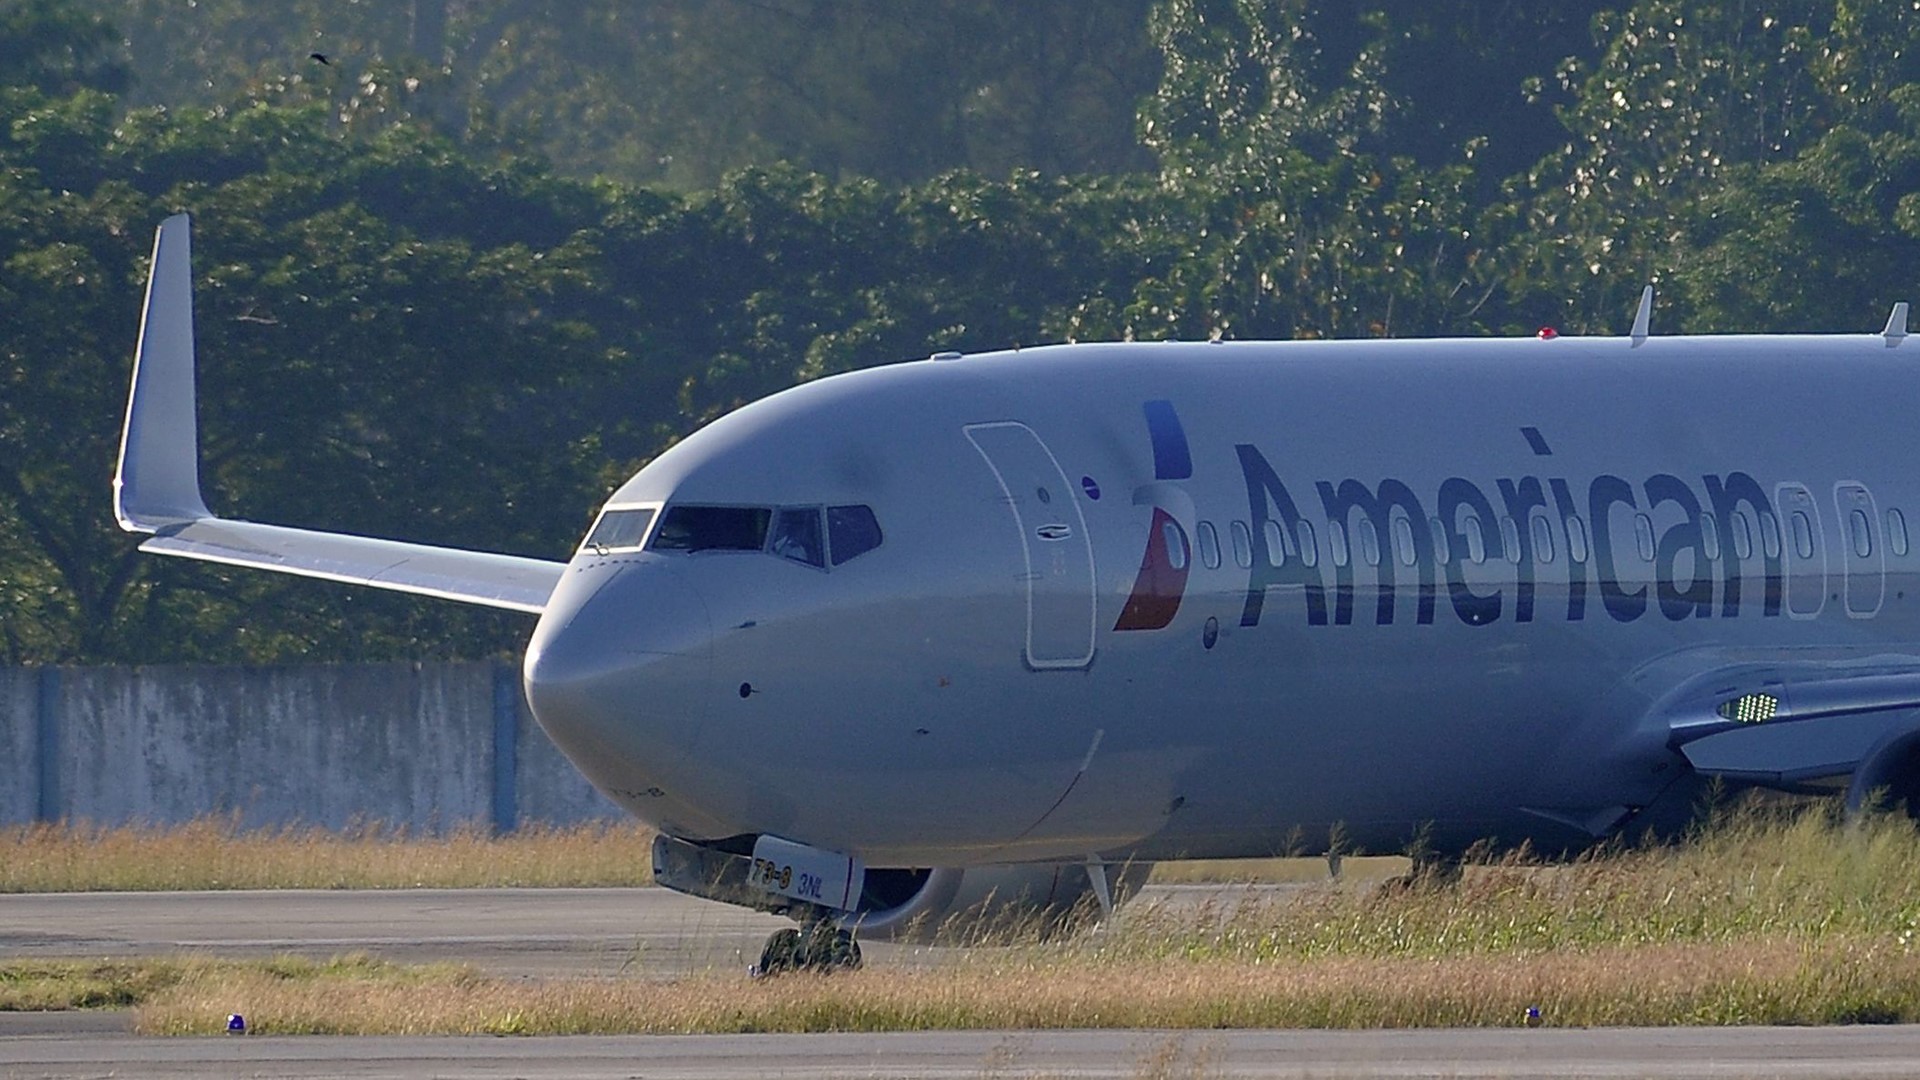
point(619, 673)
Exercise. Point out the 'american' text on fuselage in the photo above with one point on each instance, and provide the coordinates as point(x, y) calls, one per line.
point(1713, 525)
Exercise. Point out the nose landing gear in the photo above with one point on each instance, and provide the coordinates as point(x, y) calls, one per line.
point(818, 947)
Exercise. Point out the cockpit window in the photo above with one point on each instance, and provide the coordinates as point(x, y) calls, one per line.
point(796, 536)
point(619, 530)
point(851, 530)
point(712, 528)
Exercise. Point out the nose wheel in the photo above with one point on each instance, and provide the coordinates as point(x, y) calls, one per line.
point(818, 947)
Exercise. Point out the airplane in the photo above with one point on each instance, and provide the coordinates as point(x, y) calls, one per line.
point(978, 631)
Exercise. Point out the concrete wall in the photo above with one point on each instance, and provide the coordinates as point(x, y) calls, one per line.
point(19, 760)
point(428, 746)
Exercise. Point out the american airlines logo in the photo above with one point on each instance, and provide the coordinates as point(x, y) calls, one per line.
point(1162, 581)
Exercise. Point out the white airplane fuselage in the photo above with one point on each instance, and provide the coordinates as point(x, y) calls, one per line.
point(978, 635)
point(1495, 572)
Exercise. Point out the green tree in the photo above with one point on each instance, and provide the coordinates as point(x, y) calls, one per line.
point(57, 49)
point(684, 91)
point(1288, 224)
point(1684, 90)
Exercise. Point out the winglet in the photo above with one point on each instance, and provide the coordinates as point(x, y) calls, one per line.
point(156, 489)
point(1896, 324)
point(158, 480)
point(1643, 319)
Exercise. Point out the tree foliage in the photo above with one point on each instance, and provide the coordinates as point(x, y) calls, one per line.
point(684, 91)
point(434, 305)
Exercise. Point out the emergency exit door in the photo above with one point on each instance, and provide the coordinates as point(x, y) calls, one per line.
point(1045, 510)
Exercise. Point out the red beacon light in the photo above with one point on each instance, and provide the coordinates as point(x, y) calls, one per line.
point(1548, 333)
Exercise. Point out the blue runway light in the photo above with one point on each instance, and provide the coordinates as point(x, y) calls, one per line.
point(236, 1024)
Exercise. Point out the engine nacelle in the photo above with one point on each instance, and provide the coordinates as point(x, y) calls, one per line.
point(1889, 775)
point(952, 905)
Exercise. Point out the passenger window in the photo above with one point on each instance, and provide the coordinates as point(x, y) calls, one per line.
point(1337, 542)
point(1576, 538)
point(1742, 536)
point(1369, 543)
point(1309, 545)
point(1542, 539)
point(796, 536)
point(1897, 532)
point(712, 528)
point(619, 530)
point(1209, 546)
point(1476, 539)
point(1643, 536)
point(1862, 531)
point(1510, 533)
point(1802, 534)
point(1242, 543)
point(1176, 545)
point(1710, 535)
point(852, 531)
point(1276, 543)
point(1769, 535)
point(1442, 547)
point(1403, 541)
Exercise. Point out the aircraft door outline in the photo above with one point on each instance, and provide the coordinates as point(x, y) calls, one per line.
point(1802, 550)
point(1866, 571)
point(1062, 594)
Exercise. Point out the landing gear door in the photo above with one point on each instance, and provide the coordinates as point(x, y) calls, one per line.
point(1053, 537)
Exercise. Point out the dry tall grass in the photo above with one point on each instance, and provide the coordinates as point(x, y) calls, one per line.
point(213, 853)
point(1774, 982)
point(1795, 874)
point(1770, 916)
point(1773, 917)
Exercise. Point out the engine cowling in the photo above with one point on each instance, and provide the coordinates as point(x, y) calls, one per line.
point(1889, 775)
point(953, 905)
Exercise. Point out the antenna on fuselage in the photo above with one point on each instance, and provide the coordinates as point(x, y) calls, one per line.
point(1643, 318)
point(1896, 324)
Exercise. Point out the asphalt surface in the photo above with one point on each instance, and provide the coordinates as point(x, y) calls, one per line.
point(653, 933)
point(508, 931)
point(1612, 1052)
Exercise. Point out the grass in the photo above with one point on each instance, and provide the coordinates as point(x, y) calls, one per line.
point(1775, 916)
point(1275, 871)
point(55, 985)
point(1840, 981)
point(214, 853)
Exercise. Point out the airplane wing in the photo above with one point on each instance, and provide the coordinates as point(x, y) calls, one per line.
point(1796, 726)
point(156, 488)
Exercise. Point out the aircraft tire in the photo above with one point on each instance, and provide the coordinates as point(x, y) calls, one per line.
point(783, 953)
point(828, 948)
point(822, 948)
